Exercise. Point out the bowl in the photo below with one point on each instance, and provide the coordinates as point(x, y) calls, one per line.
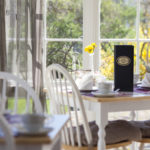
point(33, 122)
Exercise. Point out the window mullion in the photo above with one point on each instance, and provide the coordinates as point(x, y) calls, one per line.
point(91, 32)
point(137, 37)
point(44, 41)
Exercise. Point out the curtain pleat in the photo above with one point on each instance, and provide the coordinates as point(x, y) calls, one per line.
point(3, 60)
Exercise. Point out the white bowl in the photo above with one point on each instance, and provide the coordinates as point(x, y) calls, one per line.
point(33, 122)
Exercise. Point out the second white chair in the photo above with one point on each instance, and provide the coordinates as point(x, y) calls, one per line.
point(65, 98)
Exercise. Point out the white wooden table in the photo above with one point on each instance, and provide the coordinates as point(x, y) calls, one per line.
point(52, 141)
point(124, 102)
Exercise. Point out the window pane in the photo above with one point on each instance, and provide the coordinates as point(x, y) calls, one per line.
point(107, 58)
point(144, 56)
point(145, 19)
point(118, 18)
point(67, 54)
point(64, 18)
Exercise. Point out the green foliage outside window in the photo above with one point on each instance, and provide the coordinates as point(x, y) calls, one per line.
point(118, 20)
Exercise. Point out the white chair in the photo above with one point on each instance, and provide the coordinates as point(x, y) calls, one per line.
point(20, 86)
point(65, 97)
point(8, 136)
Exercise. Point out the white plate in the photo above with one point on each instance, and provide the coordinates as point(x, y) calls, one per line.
point(42, 131)
point(99, 94)
point(140, 85)
point(88, 90)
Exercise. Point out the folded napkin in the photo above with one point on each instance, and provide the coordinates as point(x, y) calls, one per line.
point(86, 82)
point(146, 80)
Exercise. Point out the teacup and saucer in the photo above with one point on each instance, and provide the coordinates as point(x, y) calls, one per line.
point(33, 124)
point(105, 89)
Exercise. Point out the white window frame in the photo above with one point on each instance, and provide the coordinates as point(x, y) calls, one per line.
point(91, 33)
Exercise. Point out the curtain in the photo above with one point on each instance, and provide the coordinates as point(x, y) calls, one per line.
point(2, 37)
point(23, 44)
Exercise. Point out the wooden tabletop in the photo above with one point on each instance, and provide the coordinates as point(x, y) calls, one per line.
point(121, 96)
point(57, 123)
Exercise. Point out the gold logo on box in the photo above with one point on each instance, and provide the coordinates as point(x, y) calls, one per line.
point(123, 61)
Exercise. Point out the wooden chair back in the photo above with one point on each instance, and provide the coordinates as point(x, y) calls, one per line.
point(65, 98)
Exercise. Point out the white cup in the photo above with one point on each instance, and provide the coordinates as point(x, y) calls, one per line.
point(33, 122)
point(105, 87)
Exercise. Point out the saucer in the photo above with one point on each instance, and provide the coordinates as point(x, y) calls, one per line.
point(100, 94)
point(141, 86)
point(88, 90)
point(23, 131)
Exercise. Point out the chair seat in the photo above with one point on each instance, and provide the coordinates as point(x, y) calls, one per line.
point(144, 127)
point(116, 131)
point(117, 145)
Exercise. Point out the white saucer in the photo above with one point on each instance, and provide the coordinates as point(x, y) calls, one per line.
point(99, 94)
point(140, 85)
point(88, 90)
point(42, 131)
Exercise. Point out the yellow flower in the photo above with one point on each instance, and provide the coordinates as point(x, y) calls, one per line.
point(86, 49)
point(90, 48)
point(94, 45)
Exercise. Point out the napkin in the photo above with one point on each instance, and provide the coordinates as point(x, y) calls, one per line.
point(146, 80)
point(86, 82)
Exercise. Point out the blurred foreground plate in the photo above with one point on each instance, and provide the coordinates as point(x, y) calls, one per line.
point(22, 131)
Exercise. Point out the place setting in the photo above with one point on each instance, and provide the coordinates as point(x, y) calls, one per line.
point(31, 124)
point(105, 89)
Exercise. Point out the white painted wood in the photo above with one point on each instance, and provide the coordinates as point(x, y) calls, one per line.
point(3, 95)
point(103, 108)
point(128, 105)
point(16, 99)
point(57, 73)
point(19, 83)
point(141, 146)
point(91, 28)
point(102, 121)
point(8, 136)
point(28, 103)
point(133, 117)
point(138, 36)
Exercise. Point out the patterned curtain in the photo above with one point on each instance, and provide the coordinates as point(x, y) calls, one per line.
point(23, 45)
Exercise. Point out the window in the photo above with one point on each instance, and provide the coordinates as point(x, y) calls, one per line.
point(105, 22)
point(124, 22)
point(63, 32)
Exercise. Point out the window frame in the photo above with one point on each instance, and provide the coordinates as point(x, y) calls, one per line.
point(91, 33)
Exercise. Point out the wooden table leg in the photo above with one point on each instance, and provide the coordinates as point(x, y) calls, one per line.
point(101, 120)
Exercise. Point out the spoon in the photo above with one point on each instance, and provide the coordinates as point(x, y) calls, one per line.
point(117, 90)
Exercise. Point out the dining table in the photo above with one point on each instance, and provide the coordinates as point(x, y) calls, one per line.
point(26, 141)
point(139, 99)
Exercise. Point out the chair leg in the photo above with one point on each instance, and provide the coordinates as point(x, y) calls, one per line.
point(141, 146)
